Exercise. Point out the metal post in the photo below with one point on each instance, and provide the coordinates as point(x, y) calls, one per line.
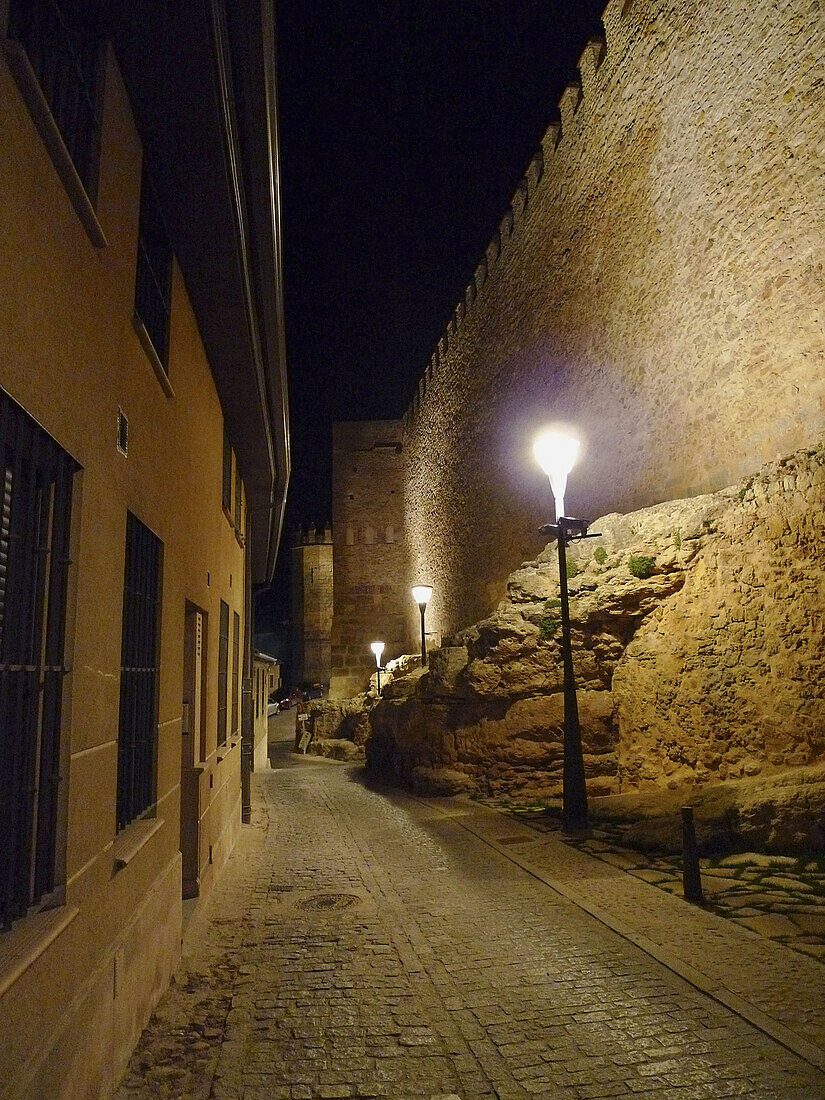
point(574, 787)
point(379, 679)
point(422, 607)
point(691, 876)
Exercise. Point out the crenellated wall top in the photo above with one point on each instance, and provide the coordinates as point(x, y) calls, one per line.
point(616, 20)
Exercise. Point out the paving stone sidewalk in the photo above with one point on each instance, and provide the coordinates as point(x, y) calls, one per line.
point(781, 897)
point(366, 944)
point(771, 985)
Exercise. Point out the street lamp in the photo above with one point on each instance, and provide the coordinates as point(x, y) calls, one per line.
point(421, 594)
point(556, 452)
point(377, 649)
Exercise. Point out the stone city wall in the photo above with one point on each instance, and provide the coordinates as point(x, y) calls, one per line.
point(658, 282)
point(697, 629)
point(369, 555)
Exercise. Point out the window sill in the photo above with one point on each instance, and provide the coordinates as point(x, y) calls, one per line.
point(29, 86)
point(132, 839)
point(28, 939)
point(224, 750)
point(152, 355)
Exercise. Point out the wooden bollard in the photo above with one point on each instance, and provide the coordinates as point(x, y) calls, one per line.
point(691, 876)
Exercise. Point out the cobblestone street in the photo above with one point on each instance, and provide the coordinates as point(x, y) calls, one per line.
point(366, 944)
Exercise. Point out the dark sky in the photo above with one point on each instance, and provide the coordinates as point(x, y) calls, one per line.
point(405, 127)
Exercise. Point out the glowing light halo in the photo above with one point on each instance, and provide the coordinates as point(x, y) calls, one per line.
point(377, 648)
point(421, 593)
point(556, 451)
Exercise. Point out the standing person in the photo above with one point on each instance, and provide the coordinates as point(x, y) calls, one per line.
point(301, 719)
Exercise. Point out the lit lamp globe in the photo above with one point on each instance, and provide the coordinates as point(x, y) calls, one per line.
point(556, 452)
point(378, 648)
point(421, 594)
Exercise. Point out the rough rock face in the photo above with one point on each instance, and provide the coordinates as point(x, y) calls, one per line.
point(340, 728)
point(783, 812)
point(698, 644)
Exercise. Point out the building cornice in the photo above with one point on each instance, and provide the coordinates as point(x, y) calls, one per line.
point(262, 275)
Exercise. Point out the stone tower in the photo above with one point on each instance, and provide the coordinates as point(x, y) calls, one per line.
point(311, 605)
point(371, 593)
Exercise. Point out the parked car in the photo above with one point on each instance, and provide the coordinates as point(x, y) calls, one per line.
point(289, 697)
point(313, 691)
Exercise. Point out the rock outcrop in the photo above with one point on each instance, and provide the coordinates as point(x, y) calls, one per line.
point(698, 645)
point(340, 728)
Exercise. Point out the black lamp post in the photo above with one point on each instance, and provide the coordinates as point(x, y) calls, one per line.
point(556, 453)
point(377, 649)
point(421, 595)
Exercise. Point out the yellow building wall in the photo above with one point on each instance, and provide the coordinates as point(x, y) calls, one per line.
point(266, 678)
point(70, 356)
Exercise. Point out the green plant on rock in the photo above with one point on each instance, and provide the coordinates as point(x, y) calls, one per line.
point(572, 569)
point(600, 555)
point(678, 538)
point(641, 566)
point(551, 605)
point(548, 628)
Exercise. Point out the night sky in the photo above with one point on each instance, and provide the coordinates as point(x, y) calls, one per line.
point(405, 127)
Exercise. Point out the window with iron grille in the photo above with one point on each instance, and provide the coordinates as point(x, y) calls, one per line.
point(153, 285)
point(226, 492)
point(238, 502)
point(236, 670)
point(139, 667)
point(35, 516)
point(62, 40)
point(223, 671)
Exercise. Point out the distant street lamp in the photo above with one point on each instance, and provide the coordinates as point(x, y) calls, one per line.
point(421, 595)
point(378, 648)
point(556, 453)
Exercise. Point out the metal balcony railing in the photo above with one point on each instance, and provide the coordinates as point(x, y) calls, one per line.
point(153, 284)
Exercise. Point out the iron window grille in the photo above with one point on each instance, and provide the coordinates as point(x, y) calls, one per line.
point(153, 284)
point(223, 671)
point(35, 518)
point(62, 40)
point(139, 669)
point(236, 669)
point(238, 503)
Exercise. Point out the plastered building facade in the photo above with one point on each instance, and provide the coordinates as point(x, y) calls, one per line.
point(312, 605)
point(657, 283)
point(266, 678)
point(127, 492)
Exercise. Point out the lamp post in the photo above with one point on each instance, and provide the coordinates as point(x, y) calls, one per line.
point(556, 453)
point(378, 648)
point(421, 594)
